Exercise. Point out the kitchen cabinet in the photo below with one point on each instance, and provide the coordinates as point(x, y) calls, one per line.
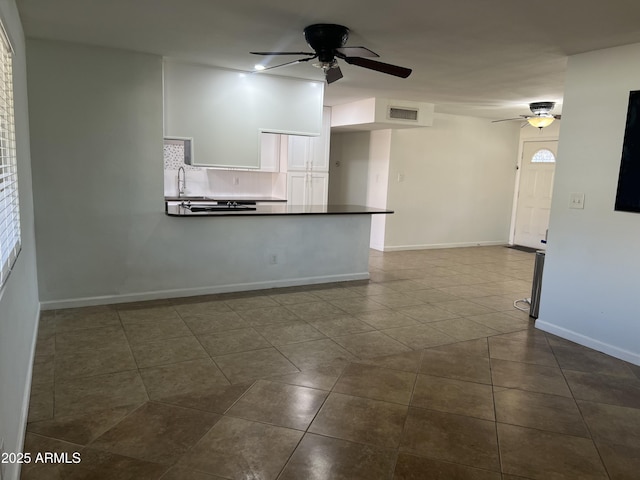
point(318, 191)
point(308, 166)
point(270, 152)
point(298, 153)
point(311, 153)
point(307, 188)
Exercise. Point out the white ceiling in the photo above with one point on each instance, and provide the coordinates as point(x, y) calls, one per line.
point(485, 58)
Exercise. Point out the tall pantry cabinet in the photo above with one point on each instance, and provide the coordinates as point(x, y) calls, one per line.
point(308, 166)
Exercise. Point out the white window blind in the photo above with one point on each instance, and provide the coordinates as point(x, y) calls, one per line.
point(9, 211)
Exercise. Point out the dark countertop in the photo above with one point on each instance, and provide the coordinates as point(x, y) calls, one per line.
point(227, 198)
point(279, 209)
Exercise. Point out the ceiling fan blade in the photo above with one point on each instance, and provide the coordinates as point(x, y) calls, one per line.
point(333, 74)
point(293, 62)
point(379, 66)
point(356, 52)
point(282, 53)
point(508, 119)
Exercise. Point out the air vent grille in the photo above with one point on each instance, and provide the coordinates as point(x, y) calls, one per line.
point(403, 113)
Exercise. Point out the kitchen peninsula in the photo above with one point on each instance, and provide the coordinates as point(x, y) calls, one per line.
point(184, 210)
point(262, 152)
point(275, 245)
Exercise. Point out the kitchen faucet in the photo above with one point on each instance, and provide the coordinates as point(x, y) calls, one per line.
point(182, 184)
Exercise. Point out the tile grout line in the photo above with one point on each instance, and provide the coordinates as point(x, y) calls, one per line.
point(575, 401)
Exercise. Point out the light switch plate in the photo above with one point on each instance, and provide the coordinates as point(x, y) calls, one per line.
point(576, 200)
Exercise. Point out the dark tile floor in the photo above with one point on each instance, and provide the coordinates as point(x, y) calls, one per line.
point(425, 372)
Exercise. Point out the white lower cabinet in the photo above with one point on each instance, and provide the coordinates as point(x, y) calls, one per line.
point(307, 188)
point(318, 188)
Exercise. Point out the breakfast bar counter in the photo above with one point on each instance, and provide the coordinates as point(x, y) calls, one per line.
point(177, 210)
point(280, 245)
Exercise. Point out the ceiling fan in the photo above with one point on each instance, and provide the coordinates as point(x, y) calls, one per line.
point(327, 42)
point(542, 116)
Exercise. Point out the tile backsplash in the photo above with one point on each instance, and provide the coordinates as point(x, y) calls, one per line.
point(212, 182)
point(174, 157)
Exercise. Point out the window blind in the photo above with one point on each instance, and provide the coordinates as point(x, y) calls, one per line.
point(9, 209)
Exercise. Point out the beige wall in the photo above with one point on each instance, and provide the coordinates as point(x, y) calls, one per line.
point(450, 184)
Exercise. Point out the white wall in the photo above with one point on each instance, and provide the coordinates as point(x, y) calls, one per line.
point(102, 235)
point(456, 183)
point(378, 181)
point(97, 152)
point(359, 174)
point(592, 263)
point(348, 167)
point(449, 185)
point(19, 307)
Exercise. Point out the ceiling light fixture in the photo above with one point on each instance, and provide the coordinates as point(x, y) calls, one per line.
point(541, 121)
point(542, 116)
point(258, 67)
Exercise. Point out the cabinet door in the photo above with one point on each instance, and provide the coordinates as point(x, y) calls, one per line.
point(270, 152)
point(318, 188)
point(297, 188)
point(319, 146)
point(299, 153)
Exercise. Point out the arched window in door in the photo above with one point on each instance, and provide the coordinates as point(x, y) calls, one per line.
point(543, 156)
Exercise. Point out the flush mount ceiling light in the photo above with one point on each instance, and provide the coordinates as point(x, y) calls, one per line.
point(542, 116)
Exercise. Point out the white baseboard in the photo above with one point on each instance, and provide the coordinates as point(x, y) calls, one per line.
point(26, 397)
point(397, 248)
point(612, 350)
point(191, 292)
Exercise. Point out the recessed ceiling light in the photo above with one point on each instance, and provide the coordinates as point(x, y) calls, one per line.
point(259, 67)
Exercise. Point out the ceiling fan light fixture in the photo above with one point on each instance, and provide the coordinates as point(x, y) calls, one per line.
point(541, 121)
point(326, 65)
point(541, 109)
point(328, 44)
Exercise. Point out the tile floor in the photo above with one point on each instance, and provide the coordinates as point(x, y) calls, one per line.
point(425, 372)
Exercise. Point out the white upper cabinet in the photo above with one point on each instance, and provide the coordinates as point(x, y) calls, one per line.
point(270, 152)
point(311, 153)
point(226, 111)
point(299, 153)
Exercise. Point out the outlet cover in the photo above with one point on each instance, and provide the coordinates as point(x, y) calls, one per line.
point(576, 200)
point(274, 255)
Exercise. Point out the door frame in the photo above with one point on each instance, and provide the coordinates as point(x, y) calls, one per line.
point(516, 190)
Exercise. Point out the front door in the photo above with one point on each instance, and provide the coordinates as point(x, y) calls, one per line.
point(534, 194)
